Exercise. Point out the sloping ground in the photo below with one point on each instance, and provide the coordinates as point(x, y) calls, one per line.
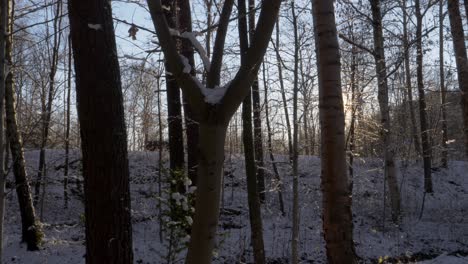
point(440, 236)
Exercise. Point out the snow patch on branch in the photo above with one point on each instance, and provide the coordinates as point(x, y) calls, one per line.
point(187, 67)
point(191, 36)
point(214, 95)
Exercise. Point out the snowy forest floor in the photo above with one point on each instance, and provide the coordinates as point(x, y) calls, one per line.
point(440, 236)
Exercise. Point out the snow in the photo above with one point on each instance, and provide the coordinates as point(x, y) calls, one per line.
point(199, 48)
point(95, 26)
point(440, 237)
point(214, 96)
point(187, 67)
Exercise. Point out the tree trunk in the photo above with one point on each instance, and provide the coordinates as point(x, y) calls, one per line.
point(174, 109)
point(456, 27)
point(426, 145)
point(210, 164)
point(409, 88)
point(389, 152)
point(31, 230)
point(253, 196)
point(295, 205)
point(443, 89)
point(257, 119)
point(67, 129)
point(283, 92)
point(270, 144)
point(103, 133)
point(4, 17)
point(337, 217)
point(191, 126)
point(47, 112)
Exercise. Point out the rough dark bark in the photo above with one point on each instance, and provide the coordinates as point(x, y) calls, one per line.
point(456, 27)
point(191, 125)
point(337, 217)
point(426, 145)
point(30, 227)
point(103, 133)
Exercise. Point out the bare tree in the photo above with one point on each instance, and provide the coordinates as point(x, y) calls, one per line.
point(337, 217)
point(214, 106)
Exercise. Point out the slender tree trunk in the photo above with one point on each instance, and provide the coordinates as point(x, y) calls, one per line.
point(31, 230)
point(426, 145)
point(174, 108)
point(337, 217)
point(283, 92)
point(103, 133)
point(257, 119)
point(456, 27)
point(409, 88)
point(249, 150)
point(443, 89)
point(270, 144)
point(4, 17)
point(295, 205)
point(67, 129)
point(46, 115)
point(389, 152)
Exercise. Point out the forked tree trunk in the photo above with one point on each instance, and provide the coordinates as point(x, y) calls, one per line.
point(337, 217)
point(31, 230)
point(103, 133)
point(210, 164)
point(389, 152)
point(456, 26)
point(426, 144)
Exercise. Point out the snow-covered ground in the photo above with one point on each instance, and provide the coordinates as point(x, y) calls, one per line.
point(440, 236)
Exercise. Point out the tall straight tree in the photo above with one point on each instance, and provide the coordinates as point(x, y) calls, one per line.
point(381, 70)
point(31, 229)
point(103, 133)
point(184, 19)
point(253, 198)
point(174, 107)
point(257, 119)
point(443, 88)
point(458, 37)
point(337, 217)
point(425, 140)
point(214, 106)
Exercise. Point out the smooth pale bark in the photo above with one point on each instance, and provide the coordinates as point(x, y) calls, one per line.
point(103, 133)
point(385, 130)
point(253, 197)
point(425, 140)
point(30, 228)
point(443, 89)
point(409, 86)
point(458, 37)
point(337, 217)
